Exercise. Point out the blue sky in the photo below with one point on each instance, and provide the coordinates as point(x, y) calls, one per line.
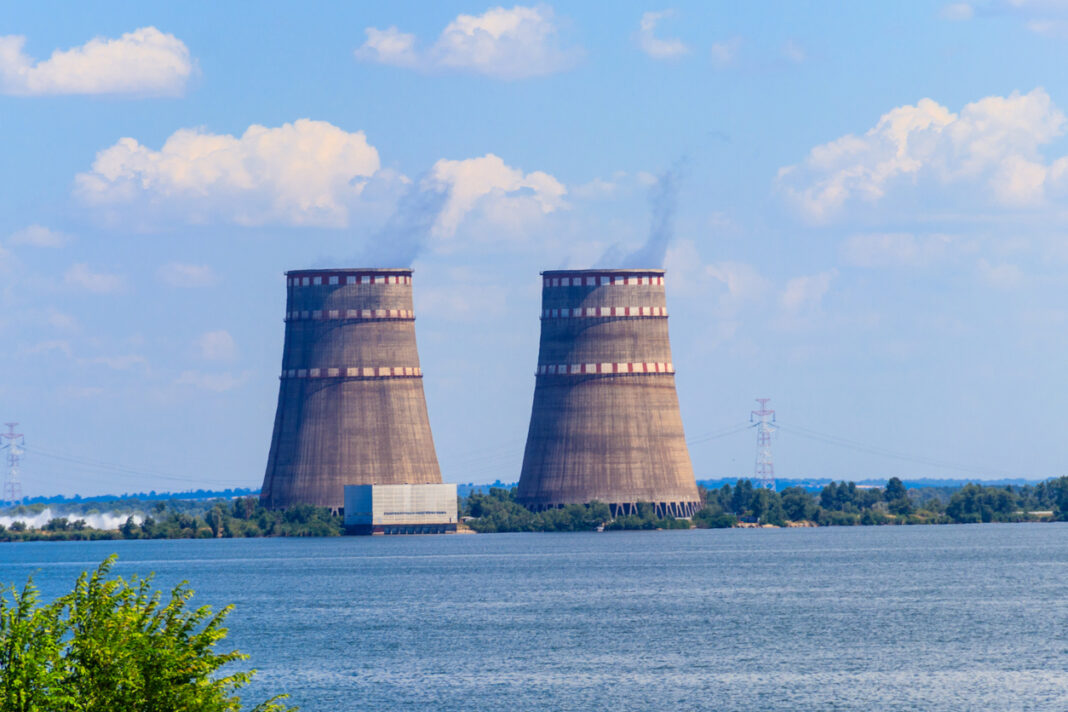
point(869, 221)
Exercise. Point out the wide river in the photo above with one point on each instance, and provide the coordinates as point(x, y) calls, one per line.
point(971, 617)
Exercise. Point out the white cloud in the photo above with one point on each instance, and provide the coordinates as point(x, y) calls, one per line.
point(596, 189)
point(958, 11)
point(217, 382)
point(1001, 276)
point(1043, 17)
point(8, 261)
point(389, 46)
point(501, 191)
point(506, 44)
point(145, 61)
point(742, 281)
point(806, 292)
point(54, 345)
point(179, 274)
point(123, 362)
point(39, 236)
point(216, 346)
point(81, 277)
point(59, 320)
point(303, 173)
point(992, 145)
point(793, 52)
point(654, 46)
point(899, 249)
point(724, 53)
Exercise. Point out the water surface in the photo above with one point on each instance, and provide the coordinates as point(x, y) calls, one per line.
point(859, 618)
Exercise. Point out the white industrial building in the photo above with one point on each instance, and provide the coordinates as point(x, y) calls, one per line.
point(400, 509)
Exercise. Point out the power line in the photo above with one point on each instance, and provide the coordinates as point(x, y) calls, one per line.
point(119, 470)
point(883, 452)
point(717, 434)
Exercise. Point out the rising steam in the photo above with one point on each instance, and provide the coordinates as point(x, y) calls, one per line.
point(107, 520)
point(663, 202)
point(405, 233)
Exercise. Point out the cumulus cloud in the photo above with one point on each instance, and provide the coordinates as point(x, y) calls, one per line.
point(179, 274)
point(993, 146)
point(724, 53)
point(303, 173)
point(1043, 17)
point(656, 47)
point(958, 11)
point(501, 43)
point(807, 291)
point(498, 189)
point(308, 173)
point(898, 249)
point(216, 346)
point(80, 276)
point(145, 61)
point(60, 320)
point(1001, 276)
point(742, 281)
point(39, 236)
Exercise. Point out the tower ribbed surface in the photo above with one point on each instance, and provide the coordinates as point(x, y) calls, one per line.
point(351, 408)
point(605, 424)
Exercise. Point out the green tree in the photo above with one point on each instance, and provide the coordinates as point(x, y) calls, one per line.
point(895, 489)
point(797, 504)
point(113, 645)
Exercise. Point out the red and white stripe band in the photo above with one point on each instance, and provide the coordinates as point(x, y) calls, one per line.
point(602, 311)
point(355, 372)
point(576, 369)
point(604, 280)
point(350, 314)
point(339, 279)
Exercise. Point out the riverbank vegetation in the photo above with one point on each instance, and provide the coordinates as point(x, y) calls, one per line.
point(740, 505)
point(846, 504)
point(497, 511)
point(836, 504)
point(172, 519)
point(113, 644)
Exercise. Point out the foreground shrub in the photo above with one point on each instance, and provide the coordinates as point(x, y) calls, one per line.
point(112, 645)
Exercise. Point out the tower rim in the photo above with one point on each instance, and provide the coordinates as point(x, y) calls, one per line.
point(614, 271)
point(351, 270)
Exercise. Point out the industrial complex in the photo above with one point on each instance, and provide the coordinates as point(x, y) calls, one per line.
point(605, 424)
point(400, 509)
point(351, 409)
point(352, 433)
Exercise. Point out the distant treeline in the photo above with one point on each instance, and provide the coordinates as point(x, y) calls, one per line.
point(836, 504)
point(241, 517)
point(743, 504)
point(142, 497)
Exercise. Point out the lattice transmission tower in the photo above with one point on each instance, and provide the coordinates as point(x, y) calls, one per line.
point(764, 469)
point(12, 493)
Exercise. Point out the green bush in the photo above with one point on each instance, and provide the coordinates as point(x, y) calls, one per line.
point(113, 645)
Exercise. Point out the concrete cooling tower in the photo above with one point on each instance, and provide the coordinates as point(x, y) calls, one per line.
point(351, 409)
point(605, 423)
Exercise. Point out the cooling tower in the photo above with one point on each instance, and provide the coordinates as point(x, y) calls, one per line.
point(605, 423)
point(351, 409)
